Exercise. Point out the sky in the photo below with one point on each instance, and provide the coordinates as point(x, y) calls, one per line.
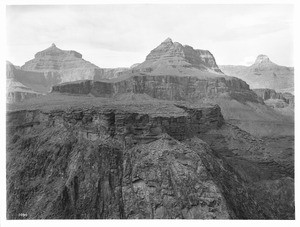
point(122, 35)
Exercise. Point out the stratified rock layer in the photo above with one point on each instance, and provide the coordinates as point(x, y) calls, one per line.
point(169, 54)
point(163, 87)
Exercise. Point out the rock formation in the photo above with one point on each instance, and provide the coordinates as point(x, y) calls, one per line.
point(139, 159)
point(62, 64)
point(149, 143)
point(16, 91)
point(176, 72)
point(171, 71)
point(163, 87)
point(172, 58)
point(267, 94)
point(264, 74)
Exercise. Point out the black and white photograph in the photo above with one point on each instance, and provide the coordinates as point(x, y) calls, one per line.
point(149, 111)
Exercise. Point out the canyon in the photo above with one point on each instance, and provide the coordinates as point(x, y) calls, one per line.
point(172, 137)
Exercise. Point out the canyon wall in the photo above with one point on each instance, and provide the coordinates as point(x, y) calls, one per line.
point(164, 87)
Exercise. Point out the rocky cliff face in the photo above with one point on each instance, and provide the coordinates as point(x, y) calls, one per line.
point(264, 74)
point(164, 87)
point(128, 167)
point(132, 160)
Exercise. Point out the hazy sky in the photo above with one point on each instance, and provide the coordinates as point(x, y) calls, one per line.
point(121, 35)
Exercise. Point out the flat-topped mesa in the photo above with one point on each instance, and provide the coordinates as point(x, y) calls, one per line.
point(174, 54)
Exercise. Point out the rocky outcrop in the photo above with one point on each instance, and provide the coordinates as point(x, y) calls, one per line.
point(263, 74)
point(266, 94)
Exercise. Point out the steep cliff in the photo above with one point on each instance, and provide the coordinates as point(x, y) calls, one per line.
point(163, 87)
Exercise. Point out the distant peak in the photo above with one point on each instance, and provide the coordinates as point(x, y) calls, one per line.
point(262, 59)
point(168, 40)
point(53, 45)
